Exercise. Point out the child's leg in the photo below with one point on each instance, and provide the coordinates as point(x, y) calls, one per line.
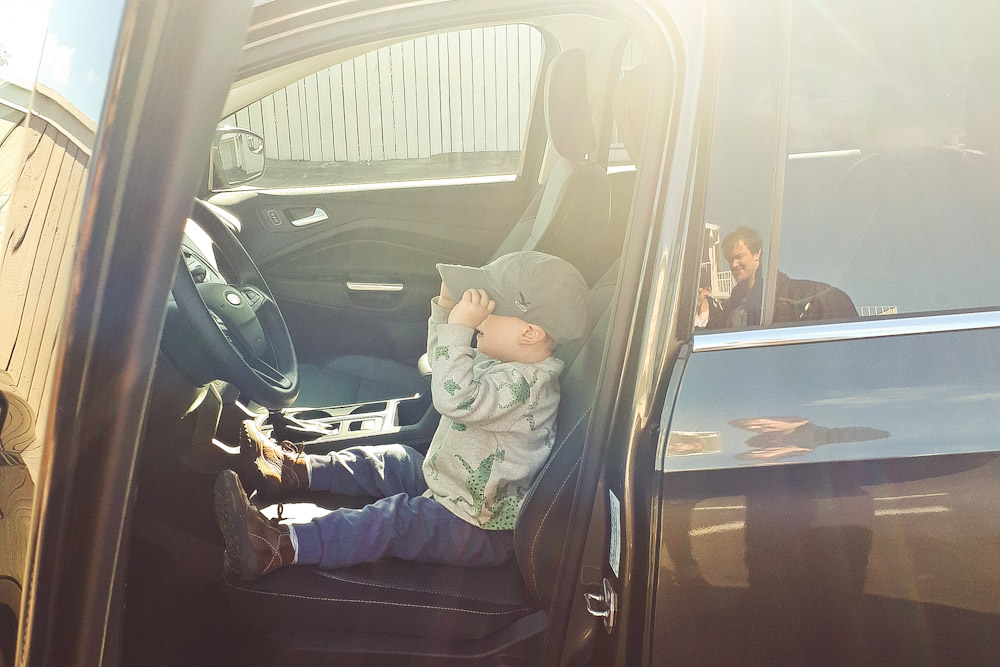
point(411, 528)
point(377, 470)
point(277, 469)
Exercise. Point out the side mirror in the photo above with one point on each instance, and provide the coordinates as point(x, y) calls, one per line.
point(238, 156)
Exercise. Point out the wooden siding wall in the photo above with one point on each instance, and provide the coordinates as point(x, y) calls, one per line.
point(38, 244)
point(464, 91)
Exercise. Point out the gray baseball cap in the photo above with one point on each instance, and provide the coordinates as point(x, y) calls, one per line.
point(538, 288)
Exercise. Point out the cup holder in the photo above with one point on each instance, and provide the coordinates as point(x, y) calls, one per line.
point(366, 419)
point(312, 415)
point(369, 407)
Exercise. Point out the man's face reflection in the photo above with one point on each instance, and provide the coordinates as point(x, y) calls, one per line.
point(743, 263)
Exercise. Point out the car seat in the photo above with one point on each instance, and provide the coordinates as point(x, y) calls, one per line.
point(306, 615)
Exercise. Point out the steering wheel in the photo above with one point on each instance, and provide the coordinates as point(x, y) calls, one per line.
point(235, 321)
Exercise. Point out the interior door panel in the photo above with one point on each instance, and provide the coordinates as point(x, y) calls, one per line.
point(358, 279)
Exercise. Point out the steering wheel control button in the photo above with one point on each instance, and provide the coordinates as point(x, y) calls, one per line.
point(252, 295)
point(233, 298)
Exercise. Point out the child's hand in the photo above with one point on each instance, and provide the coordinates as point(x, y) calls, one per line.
point(445, 299)
point(474, 307)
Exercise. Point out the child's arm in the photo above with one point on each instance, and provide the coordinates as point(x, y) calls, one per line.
point(457, 395)
point(441, 306)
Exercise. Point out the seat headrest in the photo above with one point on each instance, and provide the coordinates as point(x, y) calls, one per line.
point(567, 105)
point(631, 108)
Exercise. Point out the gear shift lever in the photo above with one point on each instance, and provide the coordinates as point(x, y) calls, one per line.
point(286, 428)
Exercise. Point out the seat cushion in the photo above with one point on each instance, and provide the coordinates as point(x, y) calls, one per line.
point(389, 596)
point(357, 379)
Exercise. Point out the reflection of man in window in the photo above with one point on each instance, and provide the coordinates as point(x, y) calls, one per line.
point(795, 300)
point(741, 249)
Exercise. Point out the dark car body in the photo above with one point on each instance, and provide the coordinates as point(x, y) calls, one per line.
point(813, 488)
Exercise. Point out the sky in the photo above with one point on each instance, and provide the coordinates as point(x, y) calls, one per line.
point(71, 52)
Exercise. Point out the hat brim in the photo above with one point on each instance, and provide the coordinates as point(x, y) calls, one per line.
point(458, 279)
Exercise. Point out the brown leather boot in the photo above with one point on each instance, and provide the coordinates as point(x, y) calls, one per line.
point(275, 470)
point(255, 545)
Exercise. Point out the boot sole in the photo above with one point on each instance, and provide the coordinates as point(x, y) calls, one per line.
point(231, 506)
point(246, 462)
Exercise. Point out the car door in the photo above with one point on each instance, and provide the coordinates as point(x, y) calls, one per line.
point(823, 484)
point(99, 208)
point(378, 166)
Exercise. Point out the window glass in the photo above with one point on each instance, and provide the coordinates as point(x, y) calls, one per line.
point(441, 106)
point(902, 213)
point(890, 197)
point(740, 191)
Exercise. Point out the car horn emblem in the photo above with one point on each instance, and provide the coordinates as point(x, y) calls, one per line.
point(522, 303)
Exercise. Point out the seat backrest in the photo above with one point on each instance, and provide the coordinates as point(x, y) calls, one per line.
point(568, 216)
point(541, 524)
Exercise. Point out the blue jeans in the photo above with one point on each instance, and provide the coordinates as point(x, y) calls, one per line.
point(401, 523)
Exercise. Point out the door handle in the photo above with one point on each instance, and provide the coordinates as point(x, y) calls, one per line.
point(319, 215)
point(375, 287)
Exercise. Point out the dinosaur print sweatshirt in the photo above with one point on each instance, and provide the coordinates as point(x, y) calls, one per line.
point(497, 425)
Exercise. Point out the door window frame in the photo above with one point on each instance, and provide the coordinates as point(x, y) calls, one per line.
point(533, 146)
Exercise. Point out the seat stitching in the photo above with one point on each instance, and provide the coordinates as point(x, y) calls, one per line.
point(531, 552)
point(331, 575)
point(379, 602)
point(534, 581)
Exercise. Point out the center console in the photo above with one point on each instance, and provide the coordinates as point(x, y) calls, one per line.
point(408, 420)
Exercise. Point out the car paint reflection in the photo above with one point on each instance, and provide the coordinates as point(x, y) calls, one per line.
point(833, 503)
point(900, 396)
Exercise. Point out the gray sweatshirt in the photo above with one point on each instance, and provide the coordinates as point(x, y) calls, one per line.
point(497, 425)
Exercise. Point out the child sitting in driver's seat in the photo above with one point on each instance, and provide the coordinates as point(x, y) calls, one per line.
point(458, 504)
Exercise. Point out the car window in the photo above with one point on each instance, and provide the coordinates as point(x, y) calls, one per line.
point(449, 105)
point(889, 203)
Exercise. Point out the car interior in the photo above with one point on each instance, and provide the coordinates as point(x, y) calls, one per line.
point(268, 305)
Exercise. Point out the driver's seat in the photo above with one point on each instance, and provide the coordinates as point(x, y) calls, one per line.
point(399, 612)
point(568, 217)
